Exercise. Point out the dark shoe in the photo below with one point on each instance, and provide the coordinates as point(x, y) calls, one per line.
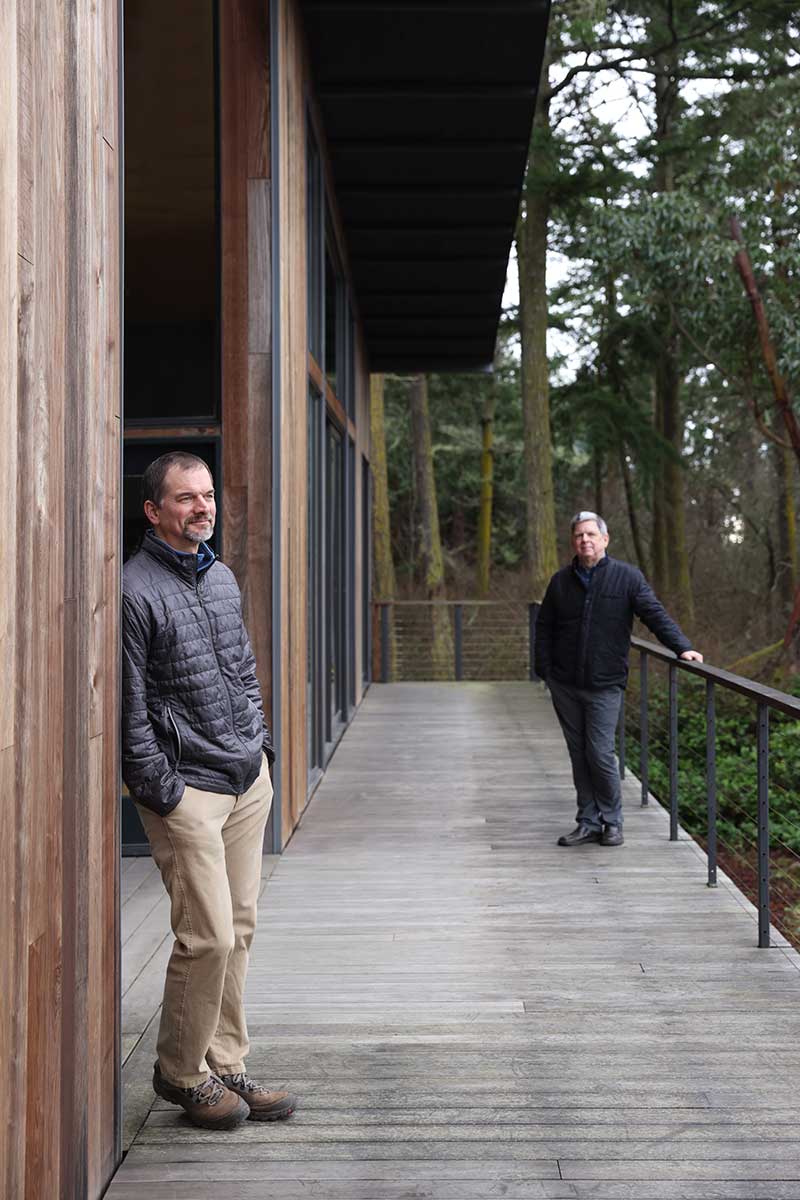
point(209, 1105)
point(580, 835)
point(264, 1105)
point(612, 835)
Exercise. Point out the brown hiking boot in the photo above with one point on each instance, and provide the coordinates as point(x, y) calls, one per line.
point(210, 1105)
point(264, 1105)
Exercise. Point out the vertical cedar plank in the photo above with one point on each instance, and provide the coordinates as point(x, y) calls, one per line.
point(294, 498)
point(284, 66)
point(255, 28)
point(233, 209)
point(40, 1176)
point(259, 270)
point(59, 462)
point(259, 530)
point(103, 1154)
point(247, 316)
point(12, 977)
point(362, 421)
point(44, 706)
point(79, 401)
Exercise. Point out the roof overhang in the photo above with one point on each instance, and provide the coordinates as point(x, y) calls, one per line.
point(427, 109)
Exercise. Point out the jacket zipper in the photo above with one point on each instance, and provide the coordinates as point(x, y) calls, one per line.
point(177, 735)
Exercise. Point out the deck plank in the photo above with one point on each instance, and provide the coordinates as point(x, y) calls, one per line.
point(468, 1010)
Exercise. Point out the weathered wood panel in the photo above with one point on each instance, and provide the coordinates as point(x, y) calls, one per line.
point(296, 100)
point(247, 317)
point(292, 75)
point(59, 462)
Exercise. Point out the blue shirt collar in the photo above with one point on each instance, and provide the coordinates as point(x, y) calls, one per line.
point(205, 555)
point(585, 574)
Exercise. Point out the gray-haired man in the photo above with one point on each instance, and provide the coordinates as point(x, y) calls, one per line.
point(583, 636)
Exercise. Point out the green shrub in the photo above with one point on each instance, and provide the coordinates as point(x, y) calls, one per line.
point(735, 766)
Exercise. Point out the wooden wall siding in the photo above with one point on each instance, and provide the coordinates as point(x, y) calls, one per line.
point(247, 317)
point(59, 466)
point(294, 413)
point(295, 93)
point(362, 449)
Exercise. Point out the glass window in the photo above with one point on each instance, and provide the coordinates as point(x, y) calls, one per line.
point(314, 607)
point(332, 323)
point(171, 228)
point(335, 581)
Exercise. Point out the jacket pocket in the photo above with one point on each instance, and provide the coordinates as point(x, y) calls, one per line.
point(178, 746)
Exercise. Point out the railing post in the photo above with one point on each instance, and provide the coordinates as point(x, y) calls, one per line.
point(533, 612)
point(458, 617)
point(621, 735)
point(711, 782)
point(384, 643)
point(673, 752)
point(644, 730)
point(762, 755)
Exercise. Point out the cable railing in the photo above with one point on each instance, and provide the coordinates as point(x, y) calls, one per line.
point(454, 640)
point(750, 861)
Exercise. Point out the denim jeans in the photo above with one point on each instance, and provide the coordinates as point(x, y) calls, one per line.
point(588, 719)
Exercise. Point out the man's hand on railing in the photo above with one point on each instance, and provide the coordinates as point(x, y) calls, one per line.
point(692, 656)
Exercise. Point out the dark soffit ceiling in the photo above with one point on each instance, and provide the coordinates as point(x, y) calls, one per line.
point(427, 108)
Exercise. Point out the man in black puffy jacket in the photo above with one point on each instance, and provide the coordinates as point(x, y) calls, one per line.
point(196, 753)
point(583, 633)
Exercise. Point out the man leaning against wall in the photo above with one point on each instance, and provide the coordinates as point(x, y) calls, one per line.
point(196, 757)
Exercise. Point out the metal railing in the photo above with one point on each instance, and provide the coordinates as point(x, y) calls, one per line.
point(765, 699)
point(488, 639)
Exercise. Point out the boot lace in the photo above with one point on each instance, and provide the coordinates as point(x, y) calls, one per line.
point(242, 1080)
point(209, 1092)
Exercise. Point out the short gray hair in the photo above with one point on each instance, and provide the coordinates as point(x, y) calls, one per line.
point(588, 516)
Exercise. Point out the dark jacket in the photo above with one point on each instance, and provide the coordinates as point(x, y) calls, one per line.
point(191, 704)
point(583, 633)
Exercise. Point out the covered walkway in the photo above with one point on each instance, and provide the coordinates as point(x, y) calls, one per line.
point(468, 1011)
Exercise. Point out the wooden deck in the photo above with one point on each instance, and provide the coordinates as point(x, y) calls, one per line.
point(468, 1011)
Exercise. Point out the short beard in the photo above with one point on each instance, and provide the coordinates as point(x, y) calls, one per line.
point(193, 535)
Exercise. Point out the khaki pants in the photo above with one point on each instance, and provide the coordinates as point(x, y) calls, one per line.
point(208, 851)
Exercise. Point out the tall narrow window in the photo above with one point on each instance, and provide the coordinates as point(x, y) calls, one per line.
point(335, 582)
point(366, 571)
point(171, 228)
point(332, 321)
point(315, 569)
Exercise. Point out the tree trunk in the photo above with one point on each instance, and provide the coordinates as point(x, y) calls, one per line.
point(597, 469)
point(786, 571)
point(487, 492)
point(658, 541)
point(431, 559)
point(384, 583)
point(633, 519)
point(540, 541)
point(679, 587)
point(670, 555)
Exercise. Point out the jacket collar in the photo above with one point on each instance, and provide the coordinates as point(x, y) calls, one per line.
point(585, 574)
point(587, 571)
point(183, 565)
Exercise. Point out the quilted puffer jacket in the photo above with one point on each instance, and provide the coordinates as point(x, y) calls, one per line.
point(191, 704)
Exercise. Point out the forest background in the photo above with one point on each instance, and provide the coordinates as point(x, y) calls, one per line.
point(662, 184)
